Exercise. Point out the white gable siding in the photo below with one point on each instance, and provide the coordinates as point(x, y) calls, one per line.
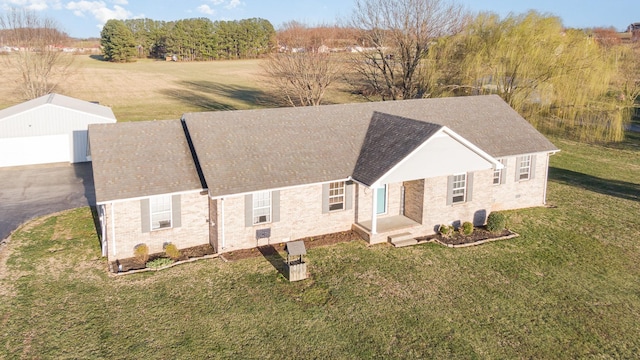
point(439, 156)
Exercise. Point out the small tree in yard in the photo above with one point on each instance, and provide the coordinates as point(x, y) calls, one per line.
point(39, 62)
point(301, 78)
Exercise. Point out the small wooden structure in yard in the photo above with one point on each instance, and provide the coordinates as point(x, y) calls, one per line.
point(295, 266)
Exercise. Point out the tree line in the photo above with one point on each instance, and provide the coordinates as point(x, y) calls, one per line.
point(573, 82)
point(197, 39)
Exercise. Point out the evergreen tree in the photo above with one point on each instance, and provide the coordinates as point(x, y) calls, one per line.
point(118, 43)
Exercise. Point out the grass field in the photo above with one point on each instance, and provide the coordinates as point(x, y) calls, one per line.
point(148, 89)
point(566, 288)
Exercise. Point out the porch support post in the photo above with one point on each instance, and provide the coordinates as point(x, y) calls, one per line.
point(374, 211)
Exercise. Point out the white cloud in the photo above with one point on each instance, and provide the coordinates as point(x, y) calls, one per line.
point(35, 5)
point(99, 10)
point(217, 2)
point(120, 2)
point(233, 4)
point(205, 9)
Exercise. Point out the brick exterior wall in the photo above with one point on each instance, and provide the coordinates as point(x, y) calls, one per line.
point(128, 230)
point(301, 212)
point(300, 216)
point(486, 198)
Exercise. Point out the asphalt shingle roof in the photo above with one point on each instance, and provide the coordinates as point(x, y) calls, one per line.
point(389, 139)
point(251, 150)
point(139, 159)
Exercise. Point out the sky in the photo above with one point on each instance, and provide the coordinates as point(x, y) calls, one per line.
point(85, 18)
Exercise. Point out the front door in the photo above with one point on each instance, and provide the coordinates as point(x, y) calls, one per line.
point(381, 193)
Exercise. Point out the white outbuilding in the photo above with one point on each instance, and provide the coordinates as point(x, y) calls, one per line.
point(49, 129)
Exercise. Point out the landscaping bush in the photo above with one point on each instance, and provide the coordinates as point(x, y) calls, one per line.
point(445, 230)
point(496, 222)
point(172, 251)
point(141, 253)
point(159, 262)
point(466, 228)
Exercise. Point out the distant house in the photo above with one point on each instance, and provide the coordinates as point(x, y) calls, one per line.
point(240, 179)
point(49, 129)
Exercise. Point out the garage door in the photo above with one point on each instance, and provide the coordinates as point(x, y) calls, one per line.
point(34, 150)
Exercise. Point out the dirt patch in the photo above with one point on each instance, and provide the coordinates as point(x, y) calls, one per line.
point(479, 235)
point(128, 264)
point(309, 242)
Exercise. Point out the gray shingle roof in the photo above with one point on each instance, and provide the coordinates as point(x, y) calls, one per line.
point(59, 100)
point(251, 150)
point(140, 159)
point(389, 139)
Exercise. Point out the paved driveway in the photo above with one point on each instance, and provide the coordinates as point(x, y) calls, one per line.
point(27, 192)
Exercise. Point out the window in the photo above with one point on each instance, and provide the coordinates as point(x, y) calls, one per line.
point(336, 196)
point(459, 188)
point(524, 168)
point(261, 207)
point(497, 174)
point(160, 212)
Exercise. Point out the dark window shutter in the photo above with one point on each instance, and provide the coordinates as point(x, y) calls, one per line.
point(145, 215)
point(450, 190)
point(275, 206)
point(469, 186)
point(503, 176)
point(518, 163)
point(325, 198)
point(176, 211)
point(348, 197)
point(532, 170)
point(248, 210)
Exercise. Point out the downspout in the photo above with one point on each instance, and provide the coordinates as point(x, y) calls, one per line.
point(374, 211)
point(546, 180)
point(113, 228)
point(103, 230)
point(222, 221)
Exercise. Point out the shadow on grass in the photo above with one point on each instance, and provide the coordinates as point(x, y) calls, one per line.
point(273, 256)
point(621, 189)
point(97, 57)
point(199, 93)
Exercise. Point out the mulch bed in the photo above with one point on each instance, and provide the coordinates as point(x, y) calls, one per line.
point(480, 234)
point(128, 264)
point(309, 243)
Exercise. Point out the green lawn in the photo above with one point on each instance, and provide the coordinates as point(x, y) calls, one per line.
point(567, 287)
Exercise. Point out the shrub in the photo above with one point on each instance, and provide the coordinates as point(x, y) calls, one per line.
point(466, 228)
point(141, 253)
point(496, 222)
point(445, 230)
point(172, 251)
point(159, 262)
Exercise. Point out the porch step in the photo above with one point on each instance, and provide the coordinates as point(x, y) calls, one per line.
point(402, 239)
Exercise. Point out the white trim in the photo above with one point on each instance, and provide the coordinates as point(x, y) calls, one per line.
point(151, 212)
point(386, 199)
point(113, 227)
point(496, 164)
point(103, 229)
point(343, 195)
point(148, 196)
point(222, 221)
point(253, 207)
point(546, 179)
point(374, 211)
point(464, 188)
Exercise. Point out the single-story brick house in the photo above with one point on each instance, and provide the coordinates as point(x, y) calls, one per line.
point(240, 179)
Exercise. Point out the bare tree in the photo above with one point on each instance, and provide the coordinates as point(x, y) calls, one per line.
point(301, 78)
point(35, 54)
point(396, 35)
